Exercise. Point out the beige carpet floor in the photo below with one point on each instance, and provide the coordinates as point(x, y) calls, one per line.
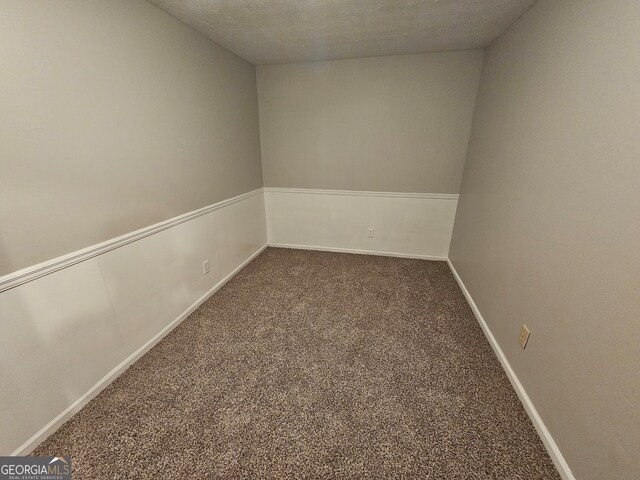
point(314, 365)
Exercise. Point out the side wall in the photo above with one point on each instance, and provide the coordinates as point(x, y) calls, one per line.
point(366, 127)
point(115, 116)
point(68, 334)
point(548, 223)
point(129, 154)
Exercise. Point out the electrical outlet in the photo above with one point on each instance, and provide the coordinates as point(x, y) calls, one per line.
point(205, 267)
point(372, 232)
point(524, 336)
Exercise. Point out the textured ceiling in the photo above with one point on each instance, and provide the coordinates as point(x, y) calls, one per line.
point(278, 31)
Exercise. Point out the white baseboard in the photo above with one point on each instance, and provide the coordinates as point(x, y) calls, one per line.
point(357, 252)
point(76, 406)
point(552, 448)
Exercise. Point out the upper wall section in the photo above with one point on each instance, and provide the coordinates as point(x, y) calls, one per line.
point(397, 123)
point(115, 116)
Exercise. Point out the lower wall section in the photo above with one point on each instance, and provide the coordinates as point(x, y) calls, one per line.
point(405, 224)
point(66, 335)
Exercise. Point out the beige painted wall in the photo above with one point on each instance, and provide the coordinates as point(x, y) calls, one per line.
point(548, 225)
point(115, 116)
point(398, 123)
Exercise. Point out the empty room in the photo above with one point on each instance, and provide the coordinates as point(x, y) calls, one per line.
point(342, 239)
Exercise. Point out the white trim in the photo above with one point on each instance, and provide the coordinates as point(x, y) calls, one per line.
point(33, 272)
point(552, 448)
point(28, 446)
point(356, 193)
point(357, 252)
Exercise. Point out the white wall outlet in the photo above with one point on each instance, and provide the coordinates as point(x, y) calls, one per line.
point(524, 336)
point(205, 267)
point(372, 232)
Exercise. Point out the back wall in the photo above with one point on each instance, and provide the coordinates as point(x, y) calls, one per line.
point(366, 155)
point(394, 124)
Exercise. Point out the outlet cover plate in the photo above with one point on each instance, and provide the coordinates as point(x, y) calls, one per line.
point(524, 336)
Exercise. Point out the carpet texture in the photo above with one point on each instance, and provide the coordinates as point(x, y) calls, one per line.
point(314, 365)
